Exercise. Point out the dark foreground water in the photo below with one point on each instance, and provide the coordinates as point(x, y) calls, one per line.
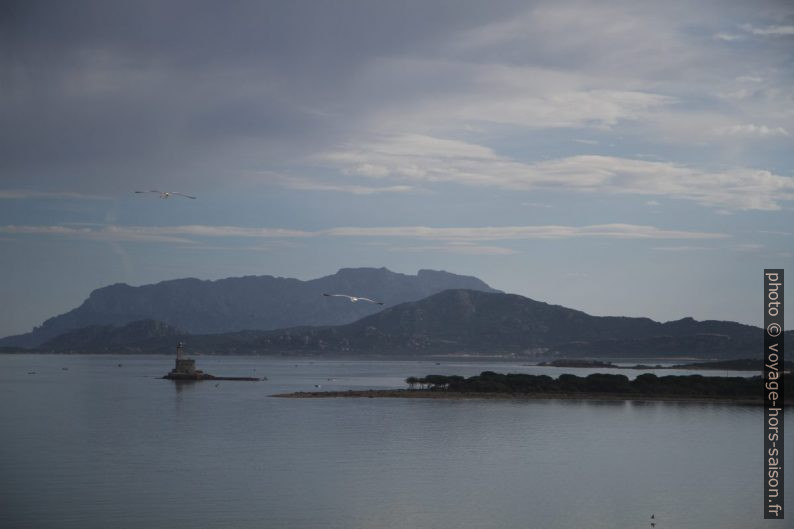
point(98, 445)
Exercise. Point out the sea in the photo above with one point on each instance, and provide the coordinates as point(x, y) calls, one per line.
point(102, 442)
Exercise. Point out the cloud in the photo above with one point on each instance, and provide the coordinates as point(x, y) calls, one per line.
point(164, 234)
point(107, 234)
point(579, 65)
point(169, 102)
point(432, 94)
point(418, 158)
point(573, 108)
point(775, 232)
point(307, 184)
point(769, 31)
point(458, 249)
point(270, 246)
point(609, 231)
point(681, 248)
point(582, 35)
point(729, 37)
point(457, 237)
point(102, 94)
point(219, 231)
point(750, 130)
point(750, 79)
point(747, 247)
point(25, 194)
point(739, 247)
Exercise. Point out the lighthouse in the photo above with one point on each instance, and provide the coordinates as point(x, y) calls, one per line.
point(185, 368)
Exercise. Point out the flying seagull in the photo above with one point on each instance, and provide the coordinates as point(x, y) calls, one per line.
point(167, 194)
point(352, 298)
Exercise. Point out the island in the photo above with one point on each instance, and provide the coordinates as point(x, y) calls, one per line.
point(597, 386)
point(741, 364)
point(583, 363)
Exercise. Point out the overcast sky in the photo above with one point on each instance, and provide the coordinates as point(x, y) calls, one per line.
point(620, 158)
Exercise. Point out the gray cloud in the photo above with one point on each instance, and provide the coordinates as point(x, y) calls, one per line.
point(416, 158)
point(443, 114)
point(308, 184)
point(457, 249)
point(99, 95)
point(773, 31)
point(27, 194)
point(609, 231)
point(459, 236)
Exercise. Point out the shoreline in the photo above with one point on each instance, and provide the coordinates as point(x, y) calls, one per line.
point(447, 395)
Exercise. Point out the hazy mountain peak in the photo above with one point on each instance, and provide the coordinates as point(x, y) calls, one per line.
point(250, 302)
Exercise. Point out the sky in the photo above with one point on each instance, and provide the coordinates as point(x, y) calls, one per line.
point(621, 158)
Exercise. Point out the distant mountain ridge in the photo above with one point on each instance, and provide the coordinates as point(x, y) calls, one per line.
point(109, 338)
point(251, 302)
point(457, 322)
point(466, 321)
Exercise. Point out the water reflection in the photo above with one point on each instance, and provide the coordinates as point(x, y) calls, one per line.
point(98, 446)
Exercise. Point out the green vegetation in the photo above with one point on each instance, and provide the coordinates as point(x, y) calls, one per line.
point(599, 384)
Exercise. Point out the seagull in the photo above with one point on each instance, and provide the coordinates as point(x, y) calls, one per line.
point(352, 298)
point(167, 194)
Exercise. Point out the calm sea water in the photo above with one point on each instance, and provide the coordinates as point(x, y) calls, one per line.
point(88, 443)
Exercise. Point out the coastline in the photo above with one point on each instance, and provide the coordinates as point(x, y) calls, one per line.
point(449, 395)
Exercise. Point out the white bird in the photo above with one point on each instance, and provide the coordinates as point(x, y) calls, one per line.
point(167, 194)
point(352, 298)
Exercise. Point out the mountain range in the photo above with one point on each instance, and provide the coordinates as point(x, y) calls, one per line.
point(253, 302)
point(453, 322)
